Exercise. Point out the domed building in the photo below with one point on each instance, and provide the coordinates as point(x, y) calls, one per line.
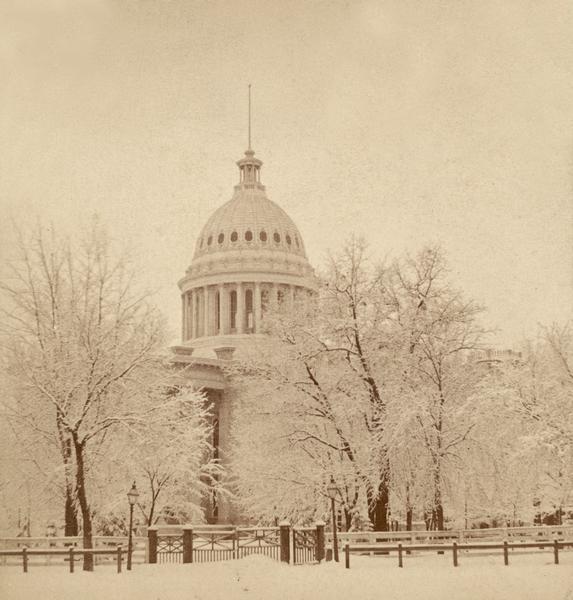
point(248, 256)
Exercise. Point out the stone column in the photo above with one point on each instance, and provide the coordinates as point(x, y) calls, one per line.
point(195, 313)
point(257, 307)
point(191, 315)
point(240, 308)
point(224, 310)
point(188, 316)
point(184, 321)
point(206, 311)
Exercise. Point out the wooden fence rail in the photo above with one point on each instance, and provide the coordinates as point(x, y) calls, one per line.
point(455, 548)
point(139, 553)
point(70, 553)
point(546, 533)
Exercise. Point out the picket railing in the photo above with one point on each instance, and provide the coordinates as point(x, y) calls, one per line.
point(455, 548)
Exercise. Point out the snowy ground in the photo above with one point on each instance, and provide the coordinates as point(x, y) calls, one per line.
point(429, 577)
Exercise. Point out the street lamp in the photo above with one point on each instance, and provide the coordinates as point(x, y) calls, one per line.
point(332, 492)
point(132, 496)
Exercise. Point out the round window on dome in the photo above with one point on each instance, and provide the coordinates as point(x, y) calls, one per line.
point(288, 240)
point(276, 237)
point(221, 238)
point(248, 235)
point(234, 236)
point(209, 240)
point(263, 236)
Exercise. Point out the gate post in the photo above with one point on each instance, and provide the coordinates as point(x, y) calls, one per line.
point(285, 541)
point(319, 549)
point(152, 544)
point(187, 544)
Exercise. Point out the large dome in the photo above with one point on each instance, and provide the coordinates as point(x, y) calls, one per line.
point(248, 258)
point(249, 221)
point(249, 233)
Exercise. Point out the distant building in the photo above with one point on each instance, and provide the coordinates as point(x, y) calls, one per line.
point(491, 357)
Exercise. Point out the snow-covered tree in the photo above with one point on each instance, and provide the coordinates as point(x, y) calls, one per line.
point(434, 388)
point(82, 347)
point(540, 394)
point(310, 390)
point(372, 386)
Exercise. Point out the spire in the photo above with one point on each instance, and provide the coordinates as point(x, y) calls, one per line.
point(250, 116)
point(249, 166)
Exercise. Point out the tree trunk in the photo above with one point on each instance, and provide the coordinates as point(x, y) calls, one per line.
point(83, 501)
point(70, 511)
point(409, 509)
point(70, 515)
point(378, 507)
point(347, 519)
point(438, 510)
point(409, 518)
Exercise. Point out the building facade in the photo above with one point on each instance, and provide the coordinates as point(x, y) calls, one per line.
point(248, 256)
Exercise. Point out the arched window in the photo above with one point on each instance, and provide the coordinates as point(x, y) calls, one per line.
point(221, 238)
point(233, 309)
point(234, 236)
point(209, 240)
point(288, 240)
point(248, 235)
point(249, 310)
point(277, 237)
point(263, 236)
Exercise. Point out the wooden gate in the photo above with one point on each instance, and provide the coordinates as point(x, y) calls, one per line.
point(212, 546)
point(185, 544)
point(169, 549)
point(304, 545)
point(265, 541)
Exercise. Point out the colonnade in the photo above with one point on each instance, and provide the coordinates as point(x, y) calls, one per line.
point(224, 309)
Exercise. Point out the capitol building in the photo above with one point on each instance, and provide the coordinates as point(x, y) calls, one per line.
point(249, 256)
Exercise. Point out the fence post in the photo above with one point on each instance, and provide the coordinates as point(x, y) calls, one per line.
point(556, 551)
point(285, 541)
point(187, 544)
point(319, 550)
point(71, 552)
point(25, 559)
point(455, 553)
point(400, 561)
point(505, 553)
point(152, 544)
point(119, 559)
point(347, 555)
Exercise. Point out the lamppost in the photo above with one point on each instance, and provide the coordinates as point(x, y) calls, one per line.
point(132, 496)
point(332, 492)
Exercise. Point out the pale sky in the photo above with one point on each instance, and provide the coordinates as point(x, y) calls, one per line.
point(405, 121)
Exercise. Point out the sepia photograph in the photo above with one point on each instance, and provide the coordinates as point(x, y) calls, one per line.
point(286, 299)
